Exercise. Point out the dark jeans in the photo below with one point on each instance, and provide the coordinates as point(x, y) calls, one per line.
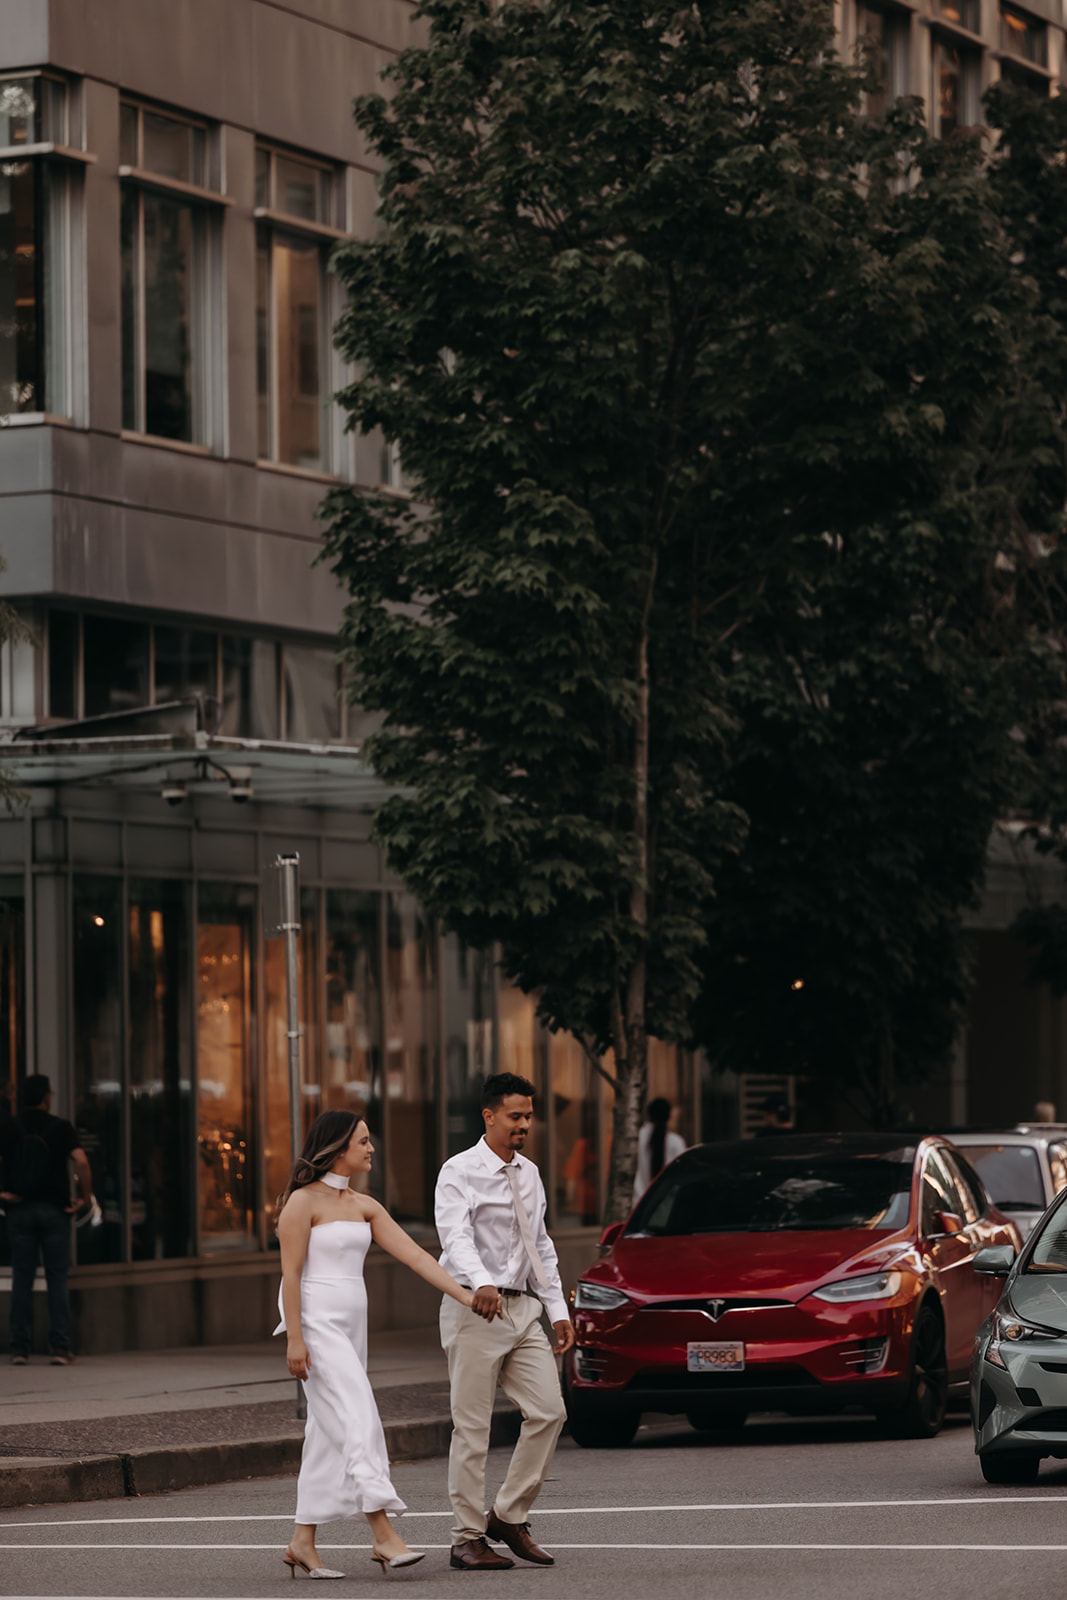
point(34, 1229)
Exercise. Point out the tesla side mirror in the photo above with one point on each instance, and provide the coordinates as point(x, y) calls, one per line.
point(947, 1222)
point(995, 1261)
point(610, 1234)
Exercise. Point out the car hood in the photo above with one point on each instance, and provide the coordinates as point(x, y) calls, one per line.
point(784, 1266)
point(1041, 1297)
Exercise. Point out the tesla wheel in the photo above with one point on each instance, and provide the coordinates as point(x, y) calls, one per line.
point(609, 1430)
point(1009, 1469)
point(923, 1411)
point(712, 1420)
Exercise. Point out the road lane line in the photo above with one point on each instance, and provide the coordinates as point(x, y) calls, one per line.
point(593, 1511)
point(363, 1549)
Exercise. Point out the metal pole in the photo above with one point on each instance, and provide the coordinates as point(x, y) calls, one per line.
point(288, 868)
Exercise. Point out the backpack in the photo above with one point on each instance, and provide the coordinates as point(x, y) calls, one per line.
point(29, 1166)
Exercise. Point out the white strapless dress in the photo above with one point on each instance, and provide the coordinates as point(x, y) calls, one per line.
point(344, 1468)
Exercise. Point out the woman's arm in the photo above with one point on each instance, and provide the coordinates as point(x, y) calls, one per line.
point(294, 1231)
point(391, 1236)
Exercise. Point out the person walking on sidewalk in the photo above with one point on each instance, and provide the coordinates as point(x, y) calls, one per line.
point(325, 1229)
point(35, 1191)
point(490, 1214)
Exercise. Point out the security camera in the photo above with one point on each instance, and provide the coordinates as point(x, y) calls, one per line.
point(174, 793)
point(240, 784)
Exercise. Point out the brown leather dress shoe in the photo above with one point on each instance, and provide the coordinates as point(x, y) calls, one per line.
point(516, 1535)
point(476, 1556)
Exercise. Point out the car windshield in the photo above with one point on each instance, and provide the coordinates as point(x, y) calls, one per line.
point(1011, 1173)
point(1049, 1253)
point(768, 1190)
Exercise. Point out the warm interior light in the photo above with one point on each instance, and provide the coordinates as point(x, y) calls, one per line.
point(797, 983)
point(99, 921)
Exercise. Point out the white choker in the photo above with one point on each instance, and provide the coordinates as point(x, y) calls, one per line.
point(336, 1180)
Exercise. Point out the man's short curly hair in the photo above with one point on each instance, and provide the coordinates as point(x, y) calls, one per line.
point(496, 1088)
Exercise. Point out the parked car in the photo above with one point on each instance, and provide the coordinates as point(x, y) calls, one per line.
point(1024, 1170)
point(798, 1273)
point(1019, 1373)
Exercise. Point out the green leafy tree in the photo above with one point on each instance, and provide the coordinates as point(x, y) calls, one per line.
point(694, 373)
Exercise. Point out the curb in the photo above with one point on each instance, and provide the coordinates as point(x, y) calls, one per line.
point(137, 1472)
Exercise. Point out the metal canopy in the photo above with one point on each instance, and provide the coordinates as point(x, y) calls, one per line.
point(332, 776)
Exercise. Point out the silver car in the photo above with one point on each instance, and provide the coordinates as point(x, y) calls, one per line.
point(1023, 1170)
point(1019, 1371)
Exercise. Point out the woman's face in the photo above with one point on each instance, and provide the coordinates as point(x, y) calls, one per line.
point(359, 1151)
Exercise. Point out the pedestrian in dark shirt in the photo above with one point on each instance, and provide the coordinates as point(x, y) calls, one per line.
point(35, 1156)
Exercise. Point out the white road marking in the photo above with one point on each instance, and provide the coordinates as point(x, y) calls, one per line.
point(364, 1549)
point(593, 1511)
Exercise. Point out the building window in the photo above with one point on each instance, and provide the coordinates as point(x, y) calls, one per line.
point(116, 657)
point(312, 695)
point(225, 940)
point(958, 88)
point(249, 687)
point(35, 273)
point(890, 33)
point(166, 244)
point(963, 13)
point(295, 208)
point(1023, 36)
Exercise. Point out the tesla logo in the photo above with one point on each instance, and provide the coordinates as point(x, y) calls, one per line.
point(715, 1309)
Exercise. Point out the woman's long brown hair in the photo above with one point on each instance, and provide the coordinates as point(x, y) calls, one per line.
point(327, 1137)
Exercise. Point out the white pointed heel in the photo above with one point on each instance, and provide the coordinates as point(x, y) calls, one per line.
point(392, 1563)
point(292, 1562)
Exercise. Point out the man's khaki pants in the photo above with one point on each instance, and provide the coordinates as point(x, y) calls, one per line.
point(513, 1349)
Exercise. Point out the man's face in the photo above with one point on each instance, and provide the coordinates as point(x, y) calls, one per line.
point(507, 1124)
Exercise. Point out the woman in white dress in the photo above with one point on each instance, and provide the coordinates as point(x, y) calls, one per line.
point(325, 1229)
point(657, 1144)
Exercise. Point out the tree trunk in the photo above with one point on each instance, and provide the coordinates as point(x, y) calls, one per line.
point(629, 1025)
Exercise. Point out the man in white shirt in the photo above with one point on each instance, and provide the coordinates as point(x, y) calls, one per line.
point(490, 1213)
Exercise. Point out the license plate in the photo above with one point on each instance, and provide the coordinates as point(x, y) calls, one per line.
point(705, 1357)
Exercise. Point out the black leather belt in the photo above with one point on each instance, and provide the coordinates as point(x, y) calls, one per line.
point(509, 1294)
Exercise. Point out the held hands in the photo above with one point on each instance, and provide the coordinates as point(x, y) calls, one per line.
point(486, 1302)
point(564, 1337)
point(297, 1359)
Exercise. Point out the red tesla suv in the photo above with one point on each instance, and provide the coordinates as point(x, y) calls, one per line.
point(798, 1274)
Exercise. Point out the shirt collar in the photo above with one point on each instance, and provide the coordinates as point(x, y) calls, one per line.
point(492, 1162)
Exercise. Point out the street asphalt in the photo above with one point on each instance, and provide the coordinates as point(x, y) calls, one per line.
point(789, 1510)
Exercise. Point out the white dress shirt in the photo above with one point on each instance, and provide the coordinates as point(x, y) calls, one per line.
point(479, 1231)
point(673, 1146)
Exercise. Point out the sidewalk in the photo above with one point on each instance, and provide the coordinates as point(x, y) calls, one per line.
point(140, 1422)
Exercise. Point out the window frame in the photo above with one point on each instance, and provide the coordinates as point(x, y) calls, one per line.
point(275, 226)
point(207, 204)
point(58, 228)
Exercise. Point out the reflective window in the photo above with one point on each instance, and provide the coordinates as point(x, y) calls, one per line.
point(277, 1154)
point(64, 655)
point(964, 13)
point(576, 1130)
point(958, 88)
point(312, 697)
point(186, 663)
point(162, 303)
point(249, 687)
point(353, 1079)
point(291, 342)
point(467, 983)
point(890, 31)
point(1023, 36)
point(296, 186)
point(410, 1058)
point(97, 1028)
point(160, 1071)
point(224, 939)
point(34, 253)
point(1011, 1173)
point(939, 1193)
point(12, 1007)
point(115, 664)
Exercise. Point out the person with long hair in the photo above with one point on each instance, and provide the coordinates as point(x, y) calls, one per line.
point(657, 1144)
point(325, 1229)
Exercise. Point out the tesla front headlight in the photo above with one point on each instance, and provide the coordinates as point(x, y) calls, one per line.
point(598, 1297)
point(872, 1286)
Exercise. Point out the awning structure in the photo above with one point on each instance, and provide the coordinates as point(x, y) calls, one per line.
point(181, 764)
